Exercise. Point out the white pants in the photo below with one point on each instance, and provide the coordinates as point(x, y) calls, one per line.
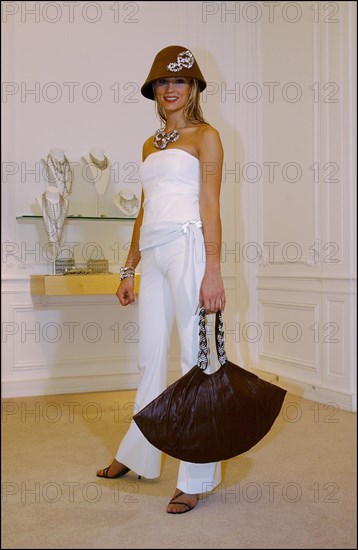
point(162, 299)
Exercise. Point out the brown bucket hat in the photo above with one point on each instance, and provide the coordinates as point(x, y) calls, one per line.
point(169, 62)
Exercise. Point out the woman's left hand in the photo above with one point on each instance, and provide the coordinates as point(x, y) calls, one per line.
point(212, 292)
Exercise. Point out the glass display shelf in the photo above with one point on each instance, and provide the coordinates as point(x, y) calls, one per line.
point(25, 217)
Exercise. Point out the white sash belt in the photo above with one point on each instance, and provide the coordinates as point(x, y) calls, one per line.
point(165, 232)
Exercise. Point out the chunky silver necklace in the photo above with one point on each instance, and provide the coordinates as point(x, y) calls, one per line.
point(63, 172)
point(100, 164)
point(162, 138)
point(54, 217)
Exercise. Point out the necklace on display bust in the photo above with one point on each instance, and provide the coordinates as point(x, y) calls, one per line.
point(162, 138)
point(100, 164)
point(62, 171)
point(54, 214)
point(99, 173)
point(127, 202)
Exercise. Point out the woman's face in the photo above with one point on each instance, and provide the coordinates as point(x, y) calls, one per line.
point(172, 93)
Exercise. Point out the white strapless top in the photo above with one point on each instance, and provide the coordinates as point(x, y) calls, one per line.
point(171, 185)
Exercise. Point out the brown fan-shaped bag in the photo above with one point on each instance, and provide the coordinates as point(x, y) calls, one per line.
point(211, 417)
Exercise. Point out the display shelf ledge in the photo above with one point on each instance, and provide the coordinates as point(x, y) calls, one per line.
point(78, 218)
point(64, 285)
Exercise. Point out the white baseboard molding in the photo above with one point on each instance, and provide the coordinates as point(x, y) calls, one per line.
point(69, 385)
point(75, 384)
point(345, 401)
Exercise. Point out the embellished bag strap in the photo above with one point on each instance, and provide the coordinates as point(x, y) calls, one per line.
point(203, 343)
point(219, 338)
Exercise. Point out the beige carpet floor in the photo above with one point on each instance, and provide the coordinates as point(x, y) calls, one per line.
point(295, 489)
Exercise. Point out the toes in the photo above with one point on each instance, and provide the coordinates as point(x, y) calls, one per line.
point(185, 503)
point(179, 508)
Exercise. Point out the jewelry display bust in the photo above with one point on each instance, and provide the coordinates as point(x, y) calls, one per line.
point(97, 170)
point(59, 171)
point(54, 208)
point(127, 202)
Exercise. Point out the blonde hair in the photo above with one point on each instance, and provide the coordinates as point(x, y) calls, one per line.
point(192, 111)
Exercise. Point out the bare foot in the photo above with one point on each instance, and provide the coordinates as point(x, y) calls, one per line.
point(182, 502)
point(116, 469)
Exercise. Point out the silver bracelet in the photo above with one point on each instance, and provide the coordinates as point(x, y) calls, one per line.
point(126, 272)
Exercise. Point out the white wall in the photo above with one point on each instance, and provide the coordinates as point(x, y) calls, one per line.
point(308, 210)
point(281, 235)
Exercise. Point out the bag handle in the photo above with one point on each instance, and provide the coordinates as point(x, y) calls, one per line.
point(70, 254)
point(203, 342)
point(95, 249)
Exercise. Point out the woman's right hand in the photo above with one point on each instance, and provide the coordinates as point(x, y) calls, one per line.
point(125, 291)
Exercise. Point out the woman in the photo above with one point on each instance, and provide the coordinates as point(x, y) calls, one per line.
point(177, 236)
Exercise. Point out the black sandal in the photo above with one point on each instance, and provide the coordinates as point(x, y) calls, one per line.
point(181, 503)
point(123, 472)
